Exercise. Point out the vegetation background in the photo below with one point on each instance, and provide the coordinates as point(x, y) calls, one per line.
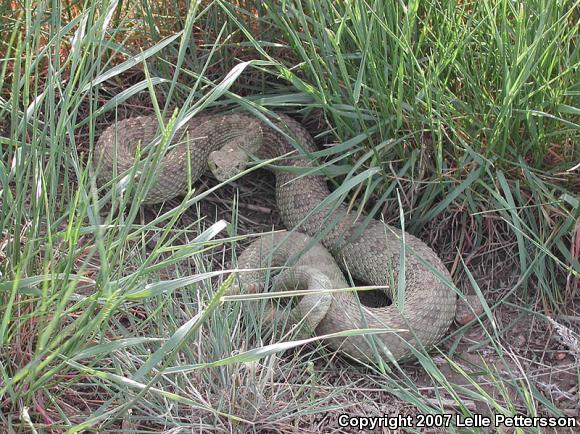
point(112, 315)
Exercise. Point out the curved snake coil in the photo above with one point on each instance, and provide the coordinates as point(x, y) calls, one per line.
point(224, 142)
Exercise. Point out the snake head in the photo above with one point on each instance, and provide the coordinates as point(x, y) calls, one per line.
point(233, 156)
point(227, 163)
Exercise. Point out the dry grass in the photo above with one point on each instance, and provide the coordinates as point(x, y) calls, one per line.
point(486, 178)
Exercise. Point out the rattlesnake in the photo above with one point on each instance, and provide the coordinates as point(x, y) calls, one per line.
point(371, 254)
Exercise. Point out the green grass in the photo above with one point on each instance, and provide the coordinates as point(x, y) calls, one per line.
point(465, 111)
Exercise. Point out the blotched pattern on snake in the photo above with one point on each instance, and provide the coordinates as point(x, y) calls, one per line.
point(224, 142)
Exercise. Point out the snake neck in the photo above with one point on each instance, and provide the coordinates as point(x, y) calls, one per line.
point(301, 198)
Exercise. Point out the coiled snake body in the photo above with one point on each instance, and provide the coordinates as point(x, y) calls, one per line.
point(372, 256)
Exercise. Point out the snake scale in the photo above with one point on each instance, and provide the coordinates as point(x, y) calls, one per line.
point(225, 142)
